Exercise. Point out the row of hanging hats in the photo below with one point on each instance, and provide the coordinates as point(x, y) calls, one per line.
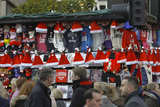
point(64, 60)
point(76, 27)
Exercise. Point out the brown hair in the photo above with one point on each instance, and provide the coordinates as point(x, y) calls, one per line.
point(80, 72)
point(107, 90)
point(20, 82)
point(27, 88)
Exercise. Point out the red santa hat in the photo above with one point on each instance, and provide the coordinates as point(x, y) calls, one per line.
point(63, 60)
point(122, 57)
point(158, 56)
point(41, 28)
point(26, 60)
point(1, 43)
point(143, 57)
point(131, 57)
point(154, 58)
point(16, 61)
point(52, 60)
point(150, 57)
point(89, 57)
point(37, 62)
point(100, 57)
point(76, 27)
point(6, 60)
point(59, 28)
point(95, 28)
point(78, 59)
point(114, 24)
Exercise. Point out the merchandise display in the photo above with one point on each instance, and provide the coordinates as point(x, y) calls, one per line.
point(110, 50)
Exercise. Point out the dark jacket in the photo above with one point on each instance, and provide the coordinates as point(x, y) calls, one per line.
point(134, 100)
point(40, 96)
point(18, 101)
point(106, 102)
point(4, 102)
point(60, 103)
point(79, 88)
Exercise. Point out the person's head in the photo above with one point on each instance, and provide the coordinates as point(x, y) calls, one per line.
point(13, 84)
point(57, 93)
point(128, 85)
point(47, 76)
point(153, 87)
point(20, 82)
point(92, 98)
point(107, 90)
point(26, 88)
point(79, 73)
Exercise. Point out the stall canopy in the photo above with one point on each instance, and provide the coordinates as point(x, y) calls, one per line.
point(105, 14)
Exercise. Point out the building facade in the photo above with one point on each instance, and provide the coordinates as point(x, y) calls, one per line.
point(6, 6)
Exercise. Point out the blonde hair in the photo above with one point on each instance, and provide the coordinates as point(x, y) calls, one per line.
point(57, 93)
point(26, 88)
point(151, 86)
point(3, 91)
point(107, 90)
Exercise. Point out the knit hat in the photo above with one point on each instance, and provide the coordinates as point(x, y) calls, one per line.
point(26, 60)
point(89, 57)
point(16, 61)
point(59, 28)
point(6, 60)
point(95, 28)
point(114, 24)
point(41, 28)
point(6, 28)
point(122, 57)
point(76, 27)
point(78, 59)
point(100, 57)
point(131, 58)
point(52, 60)
point(63, 60)
point(143, 57)
point(18, 28)
point(12, 34)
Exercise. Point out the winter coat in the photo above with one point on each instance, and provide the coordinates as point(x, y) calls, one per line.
point(60, 103)
point(79, 88)
point(134, 100)
point(40, 96)
point(4, 102)
point(18, 101)
point(106, 102)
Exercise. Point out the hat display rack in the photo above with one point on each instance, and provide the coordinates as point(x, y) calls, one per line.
point(92, 42)
point(15, 45)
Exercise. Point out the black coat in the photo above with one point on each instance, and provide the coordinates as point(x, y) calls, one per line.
point(18, 101)
point(79, 88)
point(134, 100)
point(4, 102)
point(40, 96)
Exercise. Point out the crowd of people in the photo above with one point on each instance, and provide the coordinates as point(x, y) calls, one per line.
point(29, 93)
